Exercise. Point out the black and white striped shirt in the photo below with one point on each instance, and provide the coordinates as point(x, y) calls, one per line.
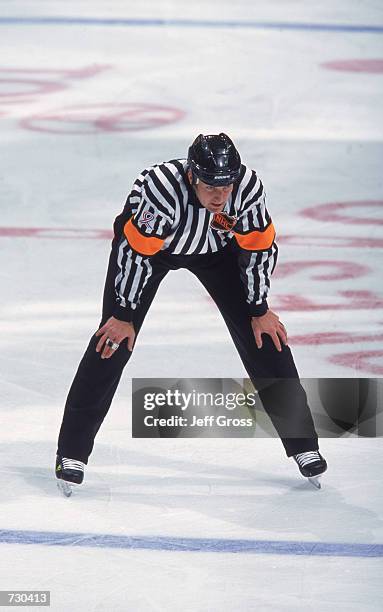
point(162, 213)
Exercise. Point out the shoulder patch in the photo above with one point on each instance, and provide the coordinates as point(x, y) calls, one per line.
point(146, 219)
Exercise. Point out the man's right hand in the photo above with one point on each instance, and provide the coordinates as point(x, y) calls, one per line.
point(269, 324)
point(117, 331)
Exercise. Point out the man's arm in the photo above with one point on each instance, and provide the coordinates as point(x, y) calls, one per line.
point(142, 236)
point(257, 257)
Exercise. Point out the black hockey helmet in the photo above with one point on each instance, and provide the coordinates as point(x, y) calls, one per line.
point(214, 159)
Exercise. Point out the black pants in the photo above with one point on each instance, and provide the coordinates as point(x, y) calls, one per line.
point(273, 373)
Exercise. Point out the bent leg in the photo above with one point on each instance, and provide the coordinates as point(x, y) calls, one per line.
point(272, 373)
point(96, 380)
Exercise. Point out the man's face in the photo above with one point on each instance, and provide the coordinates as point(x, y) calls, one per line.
point(212, 198)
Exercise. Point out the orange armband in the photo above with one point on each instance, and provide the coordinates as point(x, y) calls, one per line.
point(145, 245)
point(257, 240)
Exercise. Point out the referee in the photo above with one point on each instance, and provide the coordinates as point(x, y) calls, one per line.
point(207, 214)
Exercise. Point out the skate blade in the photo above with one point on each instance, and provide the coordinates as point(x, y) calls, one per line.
point(314, 480)
point(65, 487)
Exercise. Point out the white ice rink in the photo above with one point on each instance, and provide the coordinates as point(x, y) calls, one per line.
point(91, 93)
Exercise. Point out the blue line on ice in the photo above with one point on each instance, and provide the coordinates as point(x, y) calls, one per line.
point(180, 544)
point(191, 23)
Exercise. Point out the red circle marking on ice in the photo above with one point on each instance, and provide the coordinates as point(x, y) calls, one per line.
point(371, 66)
point(334, 338)
point(69, 73)
point(351, 300)
point(338, 270)
point(124, 117)
point(360, 360)
point(33, 87)
point(334, 212)
point(51, 232)
point(327, 241)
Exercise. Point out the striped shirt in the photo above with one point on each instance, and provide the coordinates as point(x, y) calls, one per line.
point(162, 213)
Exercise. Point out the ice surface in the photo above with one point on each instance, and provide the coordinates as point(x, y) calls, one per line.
point(69, 155)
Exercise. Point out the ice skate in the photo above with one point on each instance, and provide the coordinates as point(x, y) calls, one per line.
point(311, 465)
point(69, 474)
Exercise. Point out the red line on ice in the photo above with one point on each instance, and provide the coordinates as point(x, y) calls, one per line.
point(334, 338)
point(341, 269)
point(333, 212)
point(372, 66)
point(51, 232)
point(325, 240)
point(359, 360)
point(353, 300)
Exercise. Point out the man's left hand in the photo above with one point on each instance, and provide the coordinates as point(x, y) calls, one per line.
point(114, 331)
point(269, 324)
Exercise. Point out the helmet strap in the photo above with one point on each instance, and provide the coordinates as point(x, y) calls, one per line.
point(194, 179)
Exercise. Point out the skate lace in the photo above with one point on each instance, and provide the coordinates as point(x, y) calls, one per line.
point(72, 464)
point(304, 459)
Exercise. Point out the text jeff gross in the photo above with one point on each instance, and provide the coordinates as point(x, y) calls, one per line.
point(206, 421)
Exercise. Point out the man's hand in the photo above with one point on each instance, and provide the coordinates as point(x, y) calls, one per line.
point(269, 324)
point(117, 331)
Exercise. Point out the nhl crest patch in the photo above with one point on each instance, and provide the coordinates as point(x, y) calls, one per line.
point(223, 222)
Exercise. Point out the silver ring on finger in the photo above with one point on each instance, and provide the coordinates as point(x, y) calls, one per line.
point(113, 345)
